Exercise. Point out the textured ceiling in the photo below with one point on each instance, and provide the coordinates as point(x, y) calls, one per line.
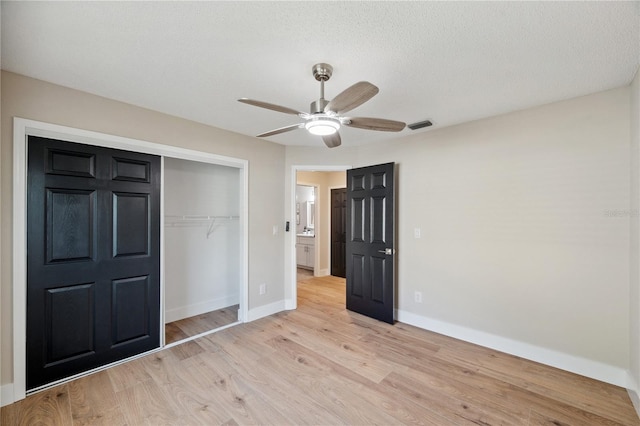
point(450, 62)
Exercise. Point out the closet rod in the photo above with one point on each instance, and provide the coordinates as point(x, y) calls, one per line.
point(198, 217)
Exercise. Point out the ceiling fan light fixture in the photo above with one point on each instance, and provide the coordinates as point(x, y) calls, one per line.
point(322, 126)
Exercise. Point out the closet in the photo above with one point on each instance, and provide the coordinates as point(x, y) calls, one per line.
point(202, 243)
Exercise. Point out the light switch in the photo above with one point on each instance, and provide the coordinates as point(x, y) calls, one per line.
point(416, 232)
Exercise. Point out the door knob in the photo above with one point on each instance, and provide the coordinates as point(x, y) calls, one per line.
point(386, 251)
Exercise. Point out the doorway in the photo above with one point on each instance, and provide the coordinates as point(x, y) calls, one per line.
point(370, 239)
point(324, 179)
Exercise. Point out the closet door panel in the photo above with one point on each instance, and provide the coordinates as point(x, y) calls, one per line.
point(131, 223)
point(130, 317)
point(70, 315)
point(70, 225)
point(93, 257)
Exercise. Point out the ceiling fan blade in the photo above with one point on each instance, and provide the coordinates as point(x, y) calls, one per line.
point(375, 124)
point(281, 130)
point(272, 107)
point(333, 140)
point(352, 97)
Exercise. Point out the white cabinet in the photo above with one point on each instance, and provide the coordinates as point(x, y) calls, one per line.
point(301, 254)
point(305, 252)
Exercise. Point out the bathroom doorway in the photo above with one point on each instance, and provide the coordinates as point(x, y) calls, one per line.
point(305, 229)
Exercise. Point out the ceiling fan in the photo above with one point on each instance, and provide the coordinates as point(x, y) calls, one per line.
point(325, 117)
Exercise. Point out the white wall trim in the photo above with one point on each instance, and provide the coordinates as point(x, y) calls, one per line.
point(6, 394)
point(323, 272)
point(23, 128)
point(291, 255)
point(289, 304)
point(181, 312)
point(265, 310)
point(162, 280)
point(632, 390)
point(574, 364)
point(635, 400)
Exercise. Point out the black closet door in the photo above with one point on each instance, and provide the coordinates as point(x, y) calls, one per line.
point(93, 257)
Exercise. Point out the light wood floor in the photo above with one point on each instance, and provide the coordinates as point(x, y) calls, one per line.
point(324, 365)
point(303, 274)
point(192, 326)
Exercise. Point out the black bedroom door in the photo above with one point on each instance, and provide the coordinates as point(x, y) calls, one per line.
point(93, 257)
point(370, 241)
point(338, 232)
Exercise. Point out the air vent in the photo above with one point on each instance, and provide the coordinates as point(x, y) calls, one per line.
point(420, 125)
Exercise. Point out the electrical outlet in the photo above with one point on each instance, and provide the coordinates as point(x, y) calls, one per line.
point(416, 232)
point(418, 297)
point(263, 288)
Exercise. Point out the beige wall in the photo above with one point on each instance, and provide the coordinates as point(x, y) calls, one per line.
point(324, 181)
point(634, 260)
point(33, 99)
point(519, 246)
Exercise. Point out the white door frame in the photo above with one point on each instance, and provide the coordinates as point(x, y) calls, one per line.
point(292, 213)
point(22, 128)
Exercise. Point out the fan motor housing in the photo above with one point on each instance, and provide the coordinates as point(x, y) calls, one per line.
point(318, 106)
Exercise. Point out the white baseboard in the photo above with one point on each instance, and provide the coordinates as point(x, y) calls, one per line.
point(632, 390)
point(290, 304)
point(635, 400)
point(266, 310)
point(6, 394)
point(181, 312)
point(575, 364)
point(322, 273)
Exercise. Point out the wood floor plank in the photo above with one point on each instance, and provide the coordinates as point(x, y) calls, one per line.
point(313, 372)
point(145, 404)
point(176, 380)
point(564, 418)
point(550, 384)
point(192, 326)
point(240, 396)
point(173, 333)
point(394, 404)
point(240, 344)
point(187, 349)
point(93, 401)
point(347, 353)
point(49, 407)
point(570, 389)
point(437, 396)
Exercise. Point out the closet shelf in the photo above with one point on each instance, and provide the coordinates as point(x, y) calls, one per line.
point(211, 222)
